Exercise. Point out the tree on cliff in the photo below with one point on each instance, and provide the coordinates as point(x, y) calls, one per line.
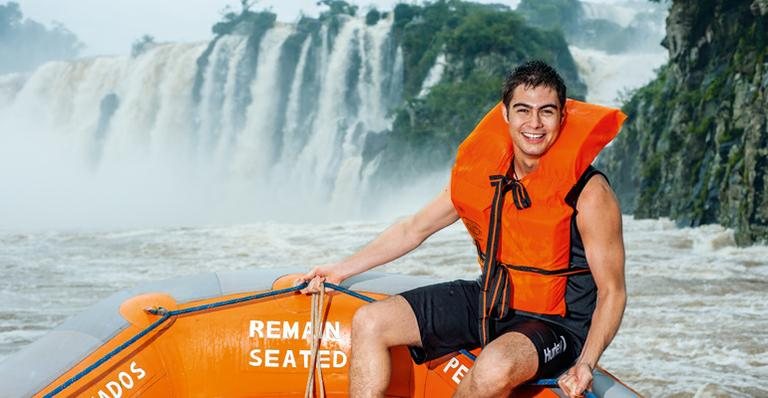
point(25, 44)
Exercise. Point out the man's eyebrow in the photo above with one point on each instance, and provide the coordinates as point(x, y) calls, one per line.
point(524, 105)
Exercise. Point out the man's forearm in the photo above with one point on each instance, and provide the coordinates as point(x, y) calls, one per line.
point(391, 244)
point(401, 237)
point(605, 323)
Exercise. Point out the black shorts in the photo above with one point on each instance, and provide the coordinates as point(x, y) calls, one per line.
point(449, 320)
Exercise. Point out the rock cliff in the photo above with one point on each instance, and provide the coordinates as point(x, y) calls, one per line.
point(695, 147)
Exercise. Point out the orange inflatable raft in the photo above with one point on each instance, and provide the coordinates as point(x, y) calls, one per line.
point(237, 334)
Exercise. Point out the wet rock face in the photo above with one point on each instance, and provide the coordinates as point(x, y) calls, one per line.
point(760, 7)
point(695, 147)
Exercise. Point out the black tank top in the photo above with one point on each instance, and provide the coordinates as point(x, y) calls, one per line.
point(580, 291)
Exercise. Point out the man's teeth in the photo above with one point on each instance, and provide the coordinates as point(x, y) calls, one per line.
point(533, 136)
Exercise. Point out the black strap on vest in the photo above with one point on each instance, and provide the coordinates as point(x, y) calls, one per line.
point(494, 289)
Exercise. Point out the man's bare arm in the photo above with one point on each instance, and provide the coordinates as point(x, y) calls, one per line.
point(599, 223)
point(397, 240)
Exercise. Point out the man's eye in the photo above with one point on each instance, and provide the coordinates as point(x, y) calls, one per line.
point(522, 110)
point(547, 112)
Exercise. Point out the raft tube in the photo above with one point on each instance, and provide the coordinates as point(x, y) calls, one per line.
point(128, 345)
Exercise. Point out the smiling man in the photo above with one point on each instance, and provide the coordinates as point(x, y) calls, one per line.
point(547, 229)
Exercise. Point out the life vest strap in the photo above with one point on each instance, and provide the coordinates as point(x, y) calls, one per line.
point(494, 291)
point(535, 270)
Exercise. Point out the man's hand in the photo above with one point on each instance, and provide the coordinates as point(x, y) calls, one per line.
point(576, 380)
point(318, 275)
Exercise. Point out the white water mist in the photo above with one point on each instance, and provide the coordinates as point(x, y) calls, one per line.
point(124, 142)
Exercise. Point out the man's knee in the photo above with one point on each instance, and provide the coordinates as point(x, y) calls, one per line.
point(495, 380)
point(390, 321)
point(365, 321)
point(503, 365)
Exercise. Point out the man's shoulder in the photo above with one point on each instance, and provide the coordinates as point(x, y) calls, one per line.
point(597, 195)
point(587, 178)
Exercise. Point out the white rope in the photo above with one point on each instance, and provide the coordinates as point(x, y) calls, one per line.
point(316, 319)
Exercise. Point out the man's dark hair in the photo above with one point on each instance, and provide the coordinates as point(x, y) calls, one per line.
point(534, 74)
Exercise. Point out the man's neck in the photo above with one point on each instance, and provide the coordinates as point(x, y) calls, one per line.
point(524, 166)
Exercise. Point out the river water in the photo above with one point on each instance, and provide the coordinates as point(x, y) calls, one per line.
point(696, 322)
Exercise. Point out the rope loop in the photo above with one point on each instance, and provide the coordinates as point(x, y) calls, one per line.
point(316, 320)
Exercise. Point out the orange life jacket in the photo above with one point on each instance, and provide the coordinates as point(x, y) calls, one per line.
point(530, 244)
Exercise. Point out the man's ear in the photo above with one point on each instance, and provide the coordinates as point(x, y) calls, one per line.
point(505, 113)
point(563, 116)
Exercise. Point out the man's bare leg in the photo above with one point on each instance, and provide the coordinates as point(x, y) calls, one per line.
point(505, 363)
point(375, 328)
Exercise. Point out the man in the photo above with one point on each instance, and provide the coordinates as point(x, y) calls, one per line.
point(547, 227)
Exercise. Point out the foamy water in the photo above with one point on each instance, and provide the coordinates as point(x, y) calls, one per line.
point(612, 77)
point(696, 322)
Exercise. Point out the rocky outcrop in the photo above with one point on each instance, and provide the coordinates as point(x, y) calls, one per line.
point(695, 147)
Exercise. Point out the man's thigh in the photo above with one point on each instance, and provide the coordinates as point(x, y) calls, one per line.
point(509, 358)
point(552, 348)
point(392, 320)
point(447, 318)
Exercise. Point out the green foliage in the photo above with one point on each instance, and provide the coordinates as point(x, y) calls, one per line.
point(449, 112)
point(551, 14)
point(253, 24)
point(25, 44)
point(471, 32)
point(694, 147)
point(143, 44)
point(247, 22)
point(482, 43)
point(372, 17)
point(713, 90)
point(404, 13)
point(337, 7)
point(485, 32)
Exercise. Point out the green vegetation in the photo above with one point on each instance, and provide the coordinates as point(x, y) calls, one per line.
point(337, 7)
point(481, 43)
point(438, 122)
point(372, 17)
point(252, 24)
point(695, 148)
point(25, 44)
point(247, 21)
point(142, 45)
point(552, 14)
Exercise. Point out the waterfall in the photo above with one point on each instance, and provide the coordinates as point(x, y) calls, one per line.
point(634, 40)
point(434, 75)
point(252, 126)
point(275, 131)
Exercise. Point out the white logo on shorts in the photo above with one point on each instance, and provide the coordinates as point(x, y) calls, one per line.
point(557, 349)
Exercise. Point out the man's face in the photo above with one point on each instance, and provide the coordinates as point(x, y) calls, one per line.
point(534, 118)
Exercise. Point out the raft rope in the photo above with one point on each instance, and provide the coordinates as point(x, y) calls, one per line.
point(166, 315)
point(316, 319)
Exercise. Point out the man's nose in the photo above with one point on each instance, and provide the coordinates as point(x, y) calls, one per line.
point(536, 120)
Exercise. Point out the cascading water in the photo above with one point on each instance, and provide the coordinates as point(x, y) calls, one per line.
point(241, 129)
point(624, 60)
point(273, 128)
point(165, 139)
